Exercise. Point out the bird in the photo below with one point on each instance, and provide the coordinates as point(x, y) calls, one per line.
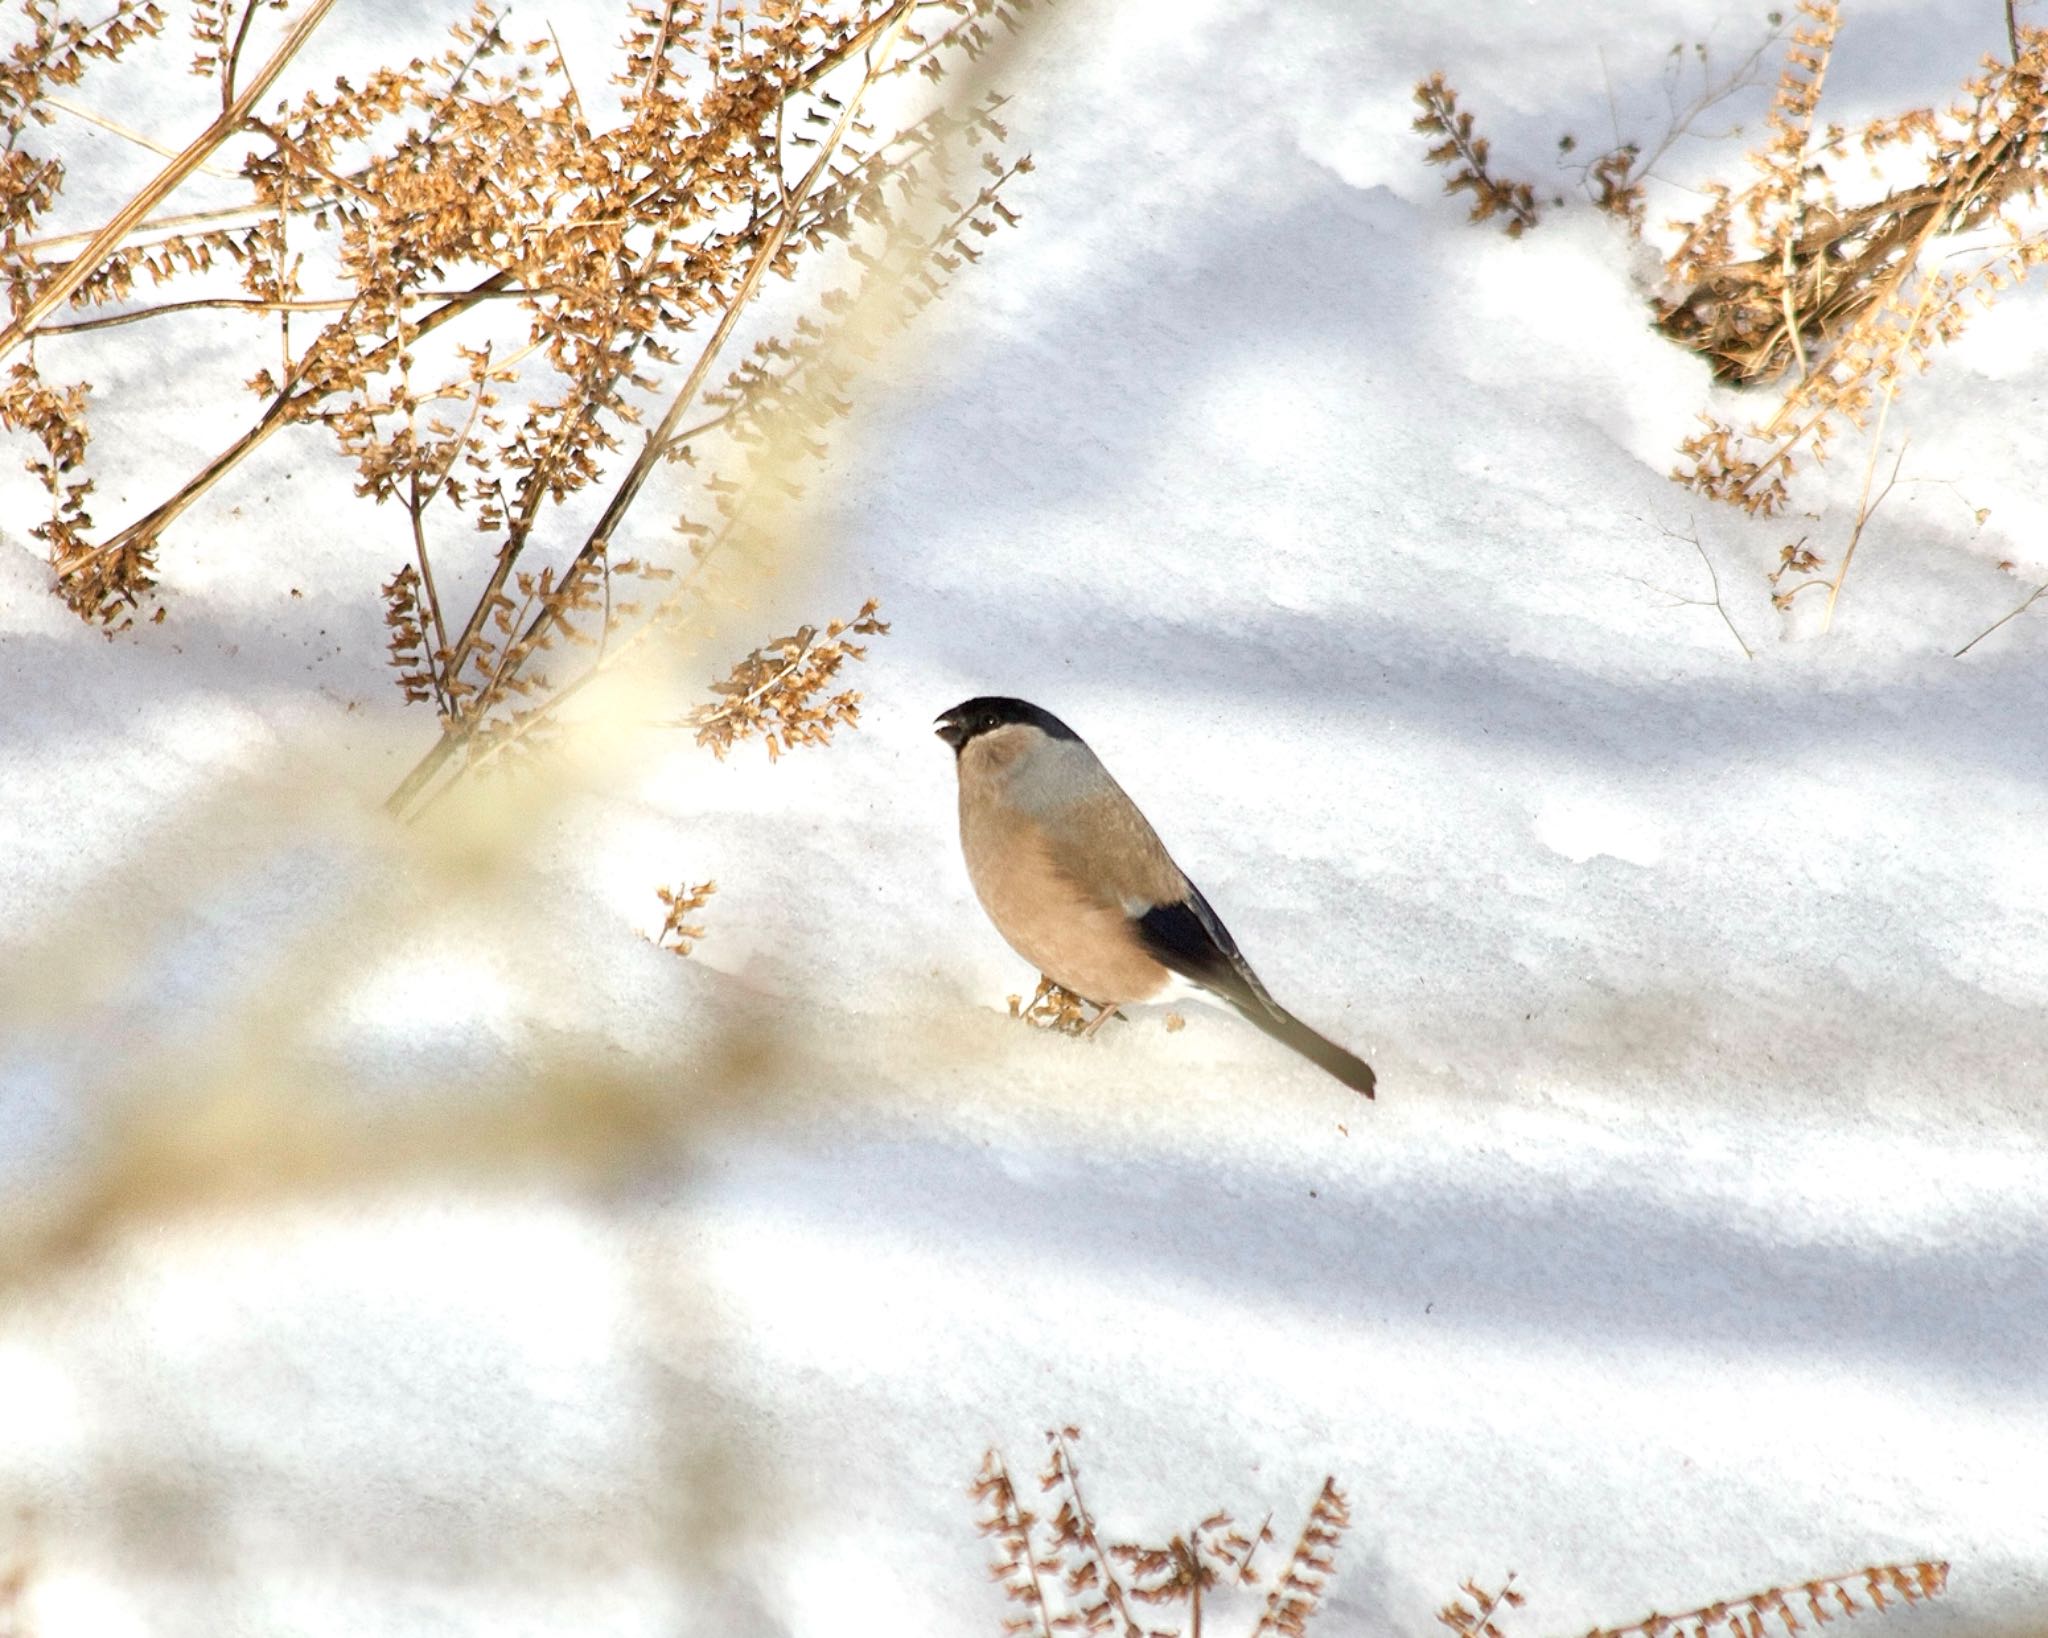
point(1079, 884)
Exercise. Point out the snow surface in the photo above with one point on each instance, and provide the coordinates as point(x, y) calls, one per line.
point(1694, 1244)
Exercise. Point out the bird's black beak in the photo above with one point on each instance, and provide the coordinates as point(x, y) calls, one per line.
point(952, 731)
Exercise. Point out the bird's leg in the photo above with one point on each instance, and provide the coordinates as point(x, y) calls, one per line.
point(1107, 1012)
point(1045, 987)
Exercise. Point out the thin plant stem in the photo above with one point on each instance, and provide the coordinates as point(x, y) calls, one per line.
point(2031, 599)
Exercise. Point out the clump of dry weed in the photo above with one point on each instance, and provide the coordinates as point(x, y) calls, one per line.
point(1799, 274)
point(1822, 269)
point(1068, 1578)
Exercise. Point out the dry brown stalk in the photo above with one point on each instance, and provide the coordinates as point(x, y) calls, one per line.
point(1104, 1602)
point(829, 206)
point(1302, 1582)
point(1070, 1581)
point(55, 418)
point(1009, 1524)
point(656, 444)
point(1755, 1615)
point(1866, 506)
point(762, 405)
point(295, 399)
point(1441, 117)
point(127, 134)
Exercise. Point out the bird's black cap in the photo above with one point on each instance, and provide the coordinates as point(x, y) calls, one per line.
point(978, 716)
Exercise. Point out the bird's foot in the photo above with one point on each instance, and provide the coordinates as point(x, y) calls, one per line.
point(1102, 1017)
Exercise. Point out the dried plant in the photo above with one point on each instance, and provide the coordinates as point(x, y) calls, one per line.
point(1302, 1582)
point(1070, 1580)
point(1712, 600)
point(1757, 1614)
point(1467, 153)
point(773, 694)
point(2013, 613)
point(1054, 1007)
point(1693, 86)
point(478, 295)
point(678, 932)
point(1615, 182)
point(101, 587)
point(1471, 1615)
point(1790, 275)
point(1017, 1568)
point(56, 52)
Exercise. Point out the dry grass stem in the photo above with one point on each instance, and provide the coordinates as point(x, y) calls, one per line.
point(2025, 603)
point(1866, 508)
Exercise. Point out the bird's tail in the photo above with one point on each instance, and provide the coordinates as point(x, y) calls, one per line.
point(1289, 1030)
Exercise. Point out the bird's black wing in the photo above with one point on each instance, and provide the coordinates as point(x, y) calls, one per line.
point(1189, 938)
